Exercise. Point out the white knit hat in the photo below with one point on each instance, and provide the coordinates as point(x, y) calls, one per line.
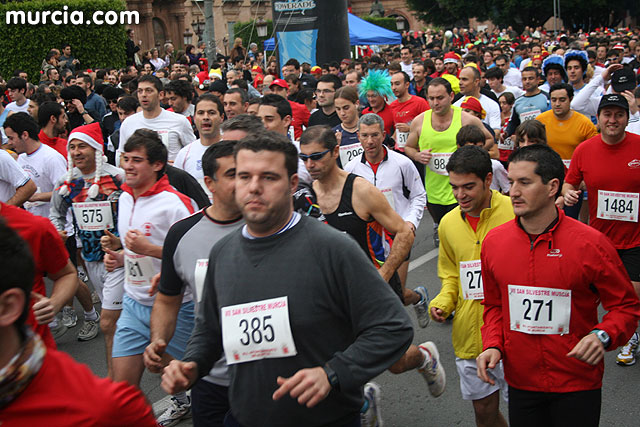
point(92, 135)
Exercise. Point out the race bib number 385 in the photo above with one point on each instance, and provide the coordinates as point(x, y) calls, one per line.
point(618, 206)
point(534, 310)
point(257, 330)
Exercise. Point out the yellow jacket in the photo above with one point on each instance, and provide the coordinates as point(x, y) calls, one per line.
point(458, 242)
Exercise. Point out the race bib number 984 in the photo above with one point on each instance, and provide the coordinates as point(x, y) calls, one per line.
point(438, 163)
point(534, 310)
point(257, 330)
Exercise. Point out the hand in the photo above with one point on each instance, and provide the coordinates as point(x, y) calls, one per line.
point(589, 350)
point(424, 157)
point(437, 314)
point(633, 107)
point(487, 359)
point(179, 376)
point(78, 104)
point(606, 74)
point(35, 197)
point(136, 241)
point(560, 202)
point(571, 197)
point(113, 260)
point(339, 136)
point(43, 309)
point(153, 356)
point(110, 241)
point(402, 127)
point(155, 281)
point(63, 235)
point(308, 386)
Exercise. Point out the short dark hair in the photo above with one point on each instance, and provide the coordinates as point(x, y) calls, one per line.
point(17, 83)
point(48, 109)
point(407, 79)
point(530, 68)
point(494, 73)
point(241, 83)
point(293, 62)
point(509, 97)
point(322, 134)
point(331, 78)
point(87, 78)
point(470, 159)
point(271, 141)
point(548, 163)
point(153, 145)
point(533, 129)
point(181, 88)
point(212, 154)
point(501, 56)
point(40, 96)
point(244, 96)
point(282, 105)
point(211, 97)
point(439, 81)
point(17, 266)
point(128, 103)
point(151, 79)
point(560, 86)
point(469, 134)
point(243, 122)
point(22, 122)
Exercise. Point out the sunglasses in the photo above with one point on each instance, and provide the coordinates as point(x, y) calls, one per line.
point(315, 156)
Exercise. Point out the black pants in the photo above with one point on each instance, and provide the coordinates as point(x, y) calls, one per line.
point(230, 421)
point(438, 211)
point(209, 404)
point(535, 409)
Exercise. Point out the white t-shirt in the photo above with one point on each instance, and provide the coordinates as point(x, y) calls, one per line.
point(174, 129)
point(189, 159)
point(517, 92)
point(500, 181)
point(407, 69)
point(513, 78)
point(12, 106)
point(491, 107)
point(44, 166)
point(11, 176)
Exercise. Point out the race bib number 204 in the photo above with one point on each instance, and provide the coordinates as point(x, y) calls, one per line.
point(257, 330)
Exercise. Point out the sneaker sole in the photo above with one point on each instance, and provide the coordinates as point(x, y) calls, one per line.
point(430, 345)
point(622, 363)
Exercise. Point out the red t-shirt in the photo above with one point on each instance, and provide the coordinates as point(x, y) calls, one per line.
point(387, 116)
point(58, 144)
point(473, 221)
point(404, 112)
point(300, 117)
point(66, 393)
point(610, 168)
point(48, 250)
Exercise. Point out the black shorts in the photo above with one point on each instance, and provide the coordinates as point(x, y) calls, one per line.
point(438, 211)
point(631, 260)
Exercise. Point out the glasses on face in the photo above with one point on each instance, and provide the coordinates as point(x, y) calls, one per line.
point(323, 91)
point(315, 156)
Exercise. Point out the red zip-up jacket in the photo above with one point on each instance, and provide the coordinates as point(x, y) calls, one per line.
point(570, 256)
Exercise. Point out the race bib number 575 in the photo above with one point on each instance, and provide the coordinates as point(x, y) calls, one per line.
point(257, 330)
point(535, 310)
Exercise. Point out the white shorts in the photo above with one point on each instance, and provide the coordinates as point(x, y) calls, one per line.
point(472, 387)
point(108, 285)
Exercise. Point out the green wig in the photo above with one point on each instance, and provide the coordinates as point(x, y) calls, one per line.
point(378, 81)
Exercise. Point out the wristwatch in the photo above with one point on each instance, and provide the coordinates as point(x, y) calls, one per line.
point(332, 377)
point(604, 337)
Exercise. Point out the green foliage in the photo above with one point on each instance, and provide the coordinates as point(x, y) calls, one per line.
point(248, 32)
point(388, 23)
point(25, 46)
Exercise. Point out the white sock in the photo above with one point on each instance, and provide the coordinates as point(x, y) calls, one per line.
point(427, 358)
point(91, 315)
point(181, 397)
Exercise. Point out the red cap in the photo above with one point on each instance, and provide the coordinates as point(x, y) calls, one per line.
point(472, 103)
point(258, 80)
point(279, 82)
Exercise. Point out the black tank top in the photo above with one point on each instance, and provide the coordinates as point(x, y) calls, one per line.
point(344, 218)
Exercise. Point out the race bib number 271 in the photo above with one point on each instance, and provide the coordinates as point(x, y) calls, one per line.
point(535, 310)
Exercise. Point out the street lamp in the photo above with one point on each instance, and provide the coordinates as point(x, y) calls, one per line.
point(400, 23)
point(187, 36)
point(261, 26)
point(198, 28)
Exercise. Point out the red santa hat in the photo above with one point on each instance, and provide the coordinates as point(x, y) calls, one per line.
point(90, 134)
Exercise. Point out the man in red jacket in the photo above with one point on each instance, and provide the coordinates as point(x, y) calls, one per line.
point(541, 304)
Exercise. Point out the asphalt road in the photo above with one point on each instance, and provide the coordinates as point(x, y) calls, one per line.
point(405, 398)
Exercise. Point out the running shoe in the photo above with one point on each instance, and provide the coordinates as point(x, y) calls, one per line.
point(371, 417)
point(95, 298)
point(58, 330)
point(433, 372)
point(174, 413)
point(627, 355)
point(422, 306)
point(436, 239)
point(69, 317)
point(82, 275)
point(89, 330)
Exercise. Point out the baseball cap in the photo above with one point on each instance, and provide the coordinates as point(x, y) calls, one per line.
point(623, 79)
point(613, 100)
point(281, 83)
point(316, 70)
point(472, 103)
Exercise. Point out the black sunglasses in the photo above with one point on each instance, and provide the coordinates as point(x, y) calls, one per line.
point(315, 156)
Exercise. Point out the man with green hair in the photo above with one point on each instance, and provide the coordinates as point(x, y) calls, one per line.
point(376, 87)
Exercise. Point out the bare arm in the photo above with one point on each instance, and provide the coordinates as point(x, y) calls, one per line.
point(65, 284)
point(164, 317)
point(23, 193)
point(412, 149)
point(570, 194)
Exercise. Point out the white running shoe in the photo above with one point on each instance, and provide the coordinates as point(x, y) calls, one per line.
point(422, 307)
point(371, 417)
point(69, 317)
point(433, 372)
point(174, 413)
point(627, 355)
point(89, 329)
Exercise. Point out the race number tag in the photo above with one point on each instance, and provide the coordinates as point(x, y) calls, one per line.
point(257, 330)
point(471, 279)
point(389, 195)
point(350, 152)
point(138, 269)
point(164, 136)
point(93, 216)
point(566, 162)
point(617, 206)
point(529, 115)
point(507, 144)
point(438, 163)
point(401, 138)
point(292, 133)
point(200, 274)
point(534, 310)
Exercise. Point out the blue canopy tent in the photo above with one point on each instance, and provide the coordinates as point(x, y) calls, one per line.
point(361, 32)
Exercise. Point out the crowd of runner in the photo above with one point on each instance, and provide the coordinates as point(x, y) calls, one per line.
point(203, 205)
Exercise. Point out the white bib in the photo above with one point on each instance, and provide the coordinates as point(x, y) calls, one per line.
point(93, 216)
point(529, 115)
point(471, 279)
point(292, 133)
point(389, 195)
point(199, 275)
point(257, 330)
point(164, 136)
point(507, 144)
point(618, 206)
point(138, 269)
point(566, 162)
point(350, 152)
point(534, 310)
point(438, 163)
point(401, 138)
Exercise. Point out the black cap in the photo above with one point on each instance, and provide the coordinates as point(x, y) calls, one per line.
point(623, 79)
point(218, 86)
point(73, 92)
point(613, 100)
